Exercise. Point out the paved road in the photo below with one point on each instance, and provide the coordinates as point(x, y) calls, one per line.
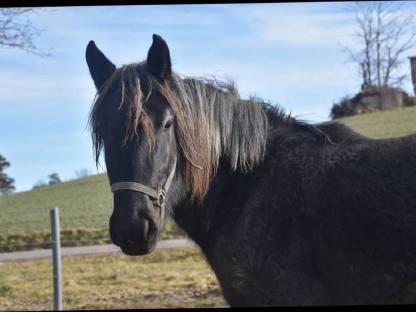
point(85, 250)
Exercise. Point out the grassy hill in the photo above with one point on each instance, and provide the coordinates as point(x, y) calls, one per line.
point(384, 124)
point(85, 204)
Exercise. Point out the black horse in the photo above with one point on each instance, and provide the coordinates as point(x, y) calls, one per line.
point(286, 213)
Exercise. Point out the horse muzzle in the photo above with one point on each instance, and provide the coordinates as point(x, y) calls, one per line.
point(136, 236)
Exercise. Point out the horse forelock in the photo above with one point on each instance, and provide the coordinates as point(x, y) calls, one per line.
point(132, 93)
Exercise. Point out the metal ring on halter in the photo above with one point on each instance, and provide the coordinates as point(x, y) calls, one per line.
point(161, 197)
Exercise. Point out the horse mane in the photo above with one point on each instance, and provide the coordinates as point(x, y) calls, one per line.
point(212, 121)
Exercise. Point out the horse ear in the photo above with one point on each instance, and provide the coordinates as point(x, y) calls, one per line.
point(100, 67)
point(158, 59)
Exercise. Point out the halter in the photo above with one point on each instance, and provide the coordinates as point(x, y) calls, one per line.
point(158, 194)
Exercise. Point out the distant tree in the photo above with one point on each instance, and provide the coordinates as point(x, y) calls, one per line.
point(385, 30)
point(17, 31)
point(6, 183)
point(54, 179)
point(81, 173)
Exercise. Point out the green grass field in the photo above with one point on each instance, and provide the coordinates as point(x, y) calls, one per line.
point(85, 204)
point(384, 124)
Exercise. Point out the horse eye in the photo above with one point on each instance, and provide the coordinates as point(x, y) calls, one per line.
point(168, 124)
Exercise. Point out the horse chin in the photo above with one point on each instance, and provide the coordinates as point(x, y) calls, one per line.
point(137, 250)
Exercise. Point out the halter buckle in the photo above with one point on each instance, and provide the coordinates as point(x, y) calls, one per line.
point(161, 197)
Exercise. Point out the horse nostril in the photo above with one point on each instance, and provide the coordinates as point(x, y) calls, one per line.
point(144, 228)
point(138, 231)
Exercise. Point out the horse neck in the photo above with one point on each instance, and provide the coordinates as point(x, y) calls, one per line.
point(201, 221)
point(230, 188)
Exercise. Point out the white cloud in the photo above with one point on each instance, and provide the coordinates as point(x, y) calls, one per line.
point(301, 27)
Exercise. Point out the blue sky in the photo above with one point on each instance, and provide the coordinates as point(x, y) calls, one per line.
point(290, 54)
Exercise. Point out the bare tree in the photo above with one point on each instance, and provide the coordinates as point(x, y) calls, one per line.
point(385, 30)
point(81, 173)
point(17, 31)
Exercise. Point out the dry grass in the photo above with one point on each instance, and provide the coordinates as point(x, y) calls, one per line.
point(164, 279)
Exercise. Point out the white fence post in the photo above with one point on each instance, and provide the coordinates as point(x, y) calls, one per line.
point(56, 258)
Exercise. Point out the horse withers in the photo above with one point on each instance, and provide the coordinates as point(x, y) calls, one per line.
point(286, 212)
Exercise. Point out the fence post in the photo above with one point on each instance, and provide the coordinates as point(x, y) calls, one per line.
point(56, 258)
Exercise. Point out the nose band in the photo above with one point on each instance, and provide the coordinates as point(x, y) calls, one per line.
point(158, 194)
